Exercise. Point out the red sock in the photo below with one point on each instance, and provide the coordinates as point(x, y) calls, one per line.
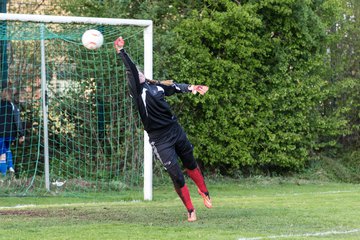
point(184, 195)
point(198, 178)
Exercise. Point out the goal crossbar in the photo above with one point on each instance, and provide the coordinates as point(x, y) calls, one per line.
point(70, 19)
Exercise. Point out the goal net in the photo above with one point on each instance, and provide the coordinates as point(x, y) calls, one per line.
point(82, 131)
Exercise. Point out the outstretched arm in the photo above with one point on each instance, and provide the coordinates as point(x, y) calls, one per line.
point(172, 87)
point(132, 72)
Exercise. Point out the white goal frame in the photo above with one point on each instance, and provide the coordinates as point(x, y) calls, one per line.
point(148, 71)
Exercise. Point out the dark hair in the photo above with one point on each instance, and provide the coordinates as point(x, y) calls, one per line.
point(164, 82)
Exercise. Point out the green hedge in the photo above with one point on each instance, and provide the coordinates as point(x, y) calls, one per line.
point(265, 63)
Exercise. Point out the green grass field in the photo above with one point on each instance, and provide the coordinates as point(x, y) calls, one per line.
point(247, 210)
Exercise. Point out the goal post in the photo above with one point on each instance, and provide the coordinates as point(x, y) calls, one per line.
point(148, 72)
point(65, 64)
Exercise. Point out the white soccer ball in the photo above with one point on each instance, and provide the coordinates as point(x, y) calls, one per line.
point(92, 39)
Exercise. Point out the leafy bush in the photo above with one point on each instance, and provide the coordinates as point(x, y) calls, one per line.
point(264, 64)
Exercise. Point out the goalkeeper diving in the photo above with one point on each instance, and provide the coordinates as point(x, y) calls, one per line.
point(167, 138)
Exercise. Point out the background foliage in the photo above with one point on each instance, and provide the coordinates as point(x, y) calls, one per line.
point(283, 76)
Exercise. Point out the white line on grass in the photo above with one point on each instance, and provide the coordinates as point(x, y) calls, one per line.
point(68, 204)
point(333, 232)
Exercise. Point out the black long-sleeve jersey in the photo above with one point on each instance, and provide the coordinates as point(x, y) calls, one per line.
point(10, 123)
point(149, 98)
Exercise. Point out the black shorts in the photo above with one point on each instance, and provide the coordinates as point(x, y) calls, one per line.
point(171, 145)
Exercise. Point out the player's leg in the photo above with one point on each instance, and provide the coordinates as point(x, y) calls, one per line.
point(182, 190)
point(9, 161)
point(168, 157)
point(9, 157)
point(3, 166)
point(185, 151)
point(196, 175)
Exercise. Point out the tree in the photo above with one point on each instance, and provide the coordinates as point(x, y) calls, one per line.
point(344, 75)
